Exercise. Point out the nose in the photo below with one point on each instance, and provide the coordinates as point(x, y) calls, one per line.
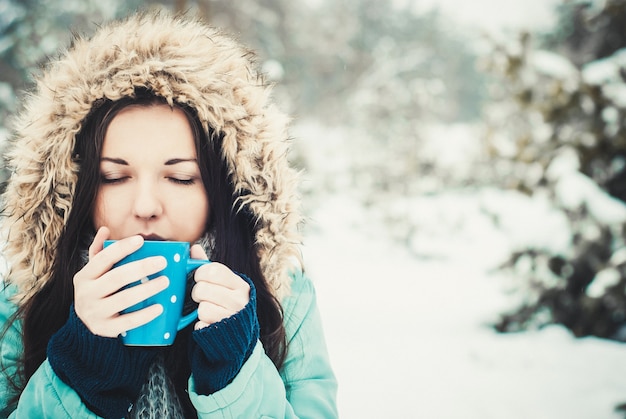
point(147, 201)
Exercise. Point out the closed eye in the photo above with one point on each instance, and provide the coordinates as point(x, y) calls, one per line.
point(112, 180)
point(182, 181)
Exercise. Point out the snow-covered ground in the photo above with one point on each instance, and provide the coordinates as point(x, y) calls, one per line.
point(408, 324)
point(408, 330)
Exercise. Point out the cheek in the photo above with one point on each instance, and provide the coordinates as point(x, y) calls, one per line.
point(104, 212)
point(194, 213)
point(199, 214)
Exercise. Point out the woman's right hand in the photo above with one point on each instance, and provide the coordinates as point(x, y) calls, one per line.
point(97, 301)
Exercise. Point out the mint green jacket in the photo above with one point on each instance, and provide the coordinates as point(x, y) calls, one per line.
point(304, 388)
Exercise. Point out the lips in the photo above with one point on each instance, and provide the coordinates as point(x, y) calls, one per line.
point(152, 237)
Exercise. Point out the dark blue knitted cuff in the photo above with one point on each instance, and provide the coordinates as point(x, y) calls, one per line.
point(222, 348)
point(106, 374)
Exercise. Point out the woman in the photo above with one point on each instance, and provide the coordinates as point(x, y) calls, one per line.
point(156, 128)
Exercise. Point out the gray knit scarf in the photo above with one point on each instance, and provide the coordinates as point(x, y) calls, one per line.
point(158, 397)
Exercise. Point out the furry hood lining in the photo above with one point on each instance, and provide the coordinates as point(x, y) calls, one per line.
point(184, 61)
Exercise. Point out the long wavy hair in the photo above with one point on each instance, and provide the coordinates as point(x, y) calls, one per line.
point(231, 227)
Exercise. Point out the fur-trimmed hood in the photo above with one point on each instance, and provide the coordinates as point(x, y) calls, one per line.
point(184, 61)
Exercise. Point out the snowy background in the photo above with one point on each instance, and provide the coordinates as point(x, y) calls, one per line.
point(407, 274)
point(409, 328)
point(409, 325)
point(409, 333)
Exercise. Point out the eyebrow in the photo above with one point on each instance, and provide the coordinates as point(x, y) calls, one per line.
point(116, 161)
point(170, 162)
point(176, 161)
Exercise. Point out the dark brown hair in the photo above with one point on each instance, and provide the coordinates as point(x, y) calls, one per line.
point(232, 228)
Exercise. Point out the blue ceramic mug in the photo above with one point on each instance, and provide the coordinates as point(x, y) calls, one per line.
point(162, 330)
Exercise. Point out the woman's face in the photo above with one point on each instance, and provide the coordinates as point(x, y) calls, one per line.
point(150, 179)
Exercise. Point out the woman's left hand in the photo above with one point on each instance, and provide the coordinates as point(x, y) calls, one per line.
point(219, 292)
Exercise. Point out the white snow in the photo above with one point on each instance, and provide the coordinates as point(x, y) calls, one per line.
point(4, 135)
point(575, 190)
point(616, 93)
point(408, 326)
point(604, 279)
point(273, 69)
point(7, 95)
point(553, 65)
point(493, 16)
point(604, 70)
point(606, 73)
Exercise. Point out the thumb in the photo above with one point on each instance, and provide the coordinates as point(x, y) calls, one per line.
point(197, 252)
point(98, 241)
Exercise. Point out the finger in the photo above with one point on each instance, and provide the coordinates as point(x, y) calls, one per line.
point(200, 325)
point(98, 242)
point(92, 307)
point(211, 313)
point(112, 324)
point(219, 274)
point(104, 260)
point(129, 273)
point(233, 300)
point(197, 252)
point(136, 294)
point(128, 321)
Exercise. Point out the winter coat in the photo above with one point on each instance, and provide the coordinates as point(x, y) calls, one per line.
point(304, 388)
point(190, 63)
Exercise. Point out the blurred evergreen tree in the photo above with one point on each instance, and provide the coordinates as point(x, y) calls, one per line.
point(32, 30)
point(559, 129)
point(587, 31)
point(370, 65)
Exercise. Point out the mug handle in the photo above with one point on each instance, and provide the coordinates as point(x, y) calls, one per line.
point(189, 318)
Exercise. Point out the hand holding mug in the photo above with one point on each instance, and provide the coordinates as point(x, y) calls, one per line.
point(96, 298)
point(219, 292)
point(162, 330)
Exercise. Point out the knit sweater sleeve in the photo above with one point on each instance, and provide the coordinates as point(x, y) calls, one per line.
point(220, 350)
point(105, 373)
